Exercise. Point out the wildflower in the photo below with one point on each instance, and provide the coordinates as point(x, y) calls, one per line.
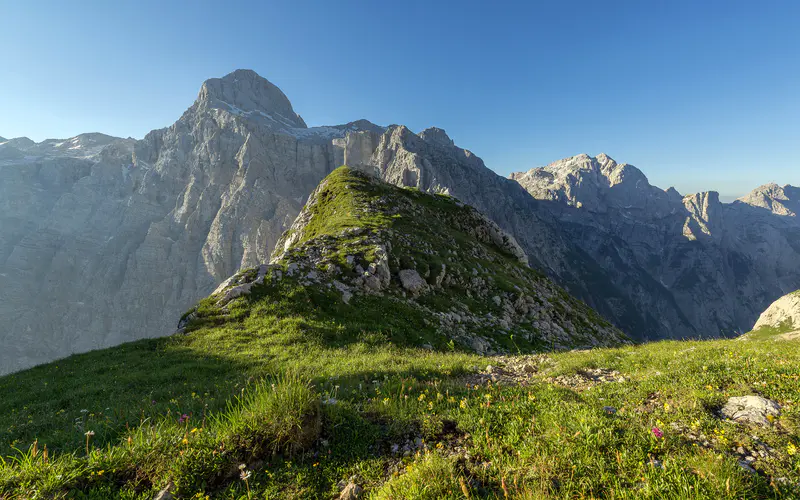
point(386, 401)
point(88, 435)
point(244, 475)
point(183, 419)
point(463, 403)
point(421, 397)
point(194, 430)
point(658, 433)
point(791, 449)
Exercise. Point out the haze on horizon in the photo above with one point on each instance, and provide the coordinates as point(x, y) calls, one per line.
point(700, 97)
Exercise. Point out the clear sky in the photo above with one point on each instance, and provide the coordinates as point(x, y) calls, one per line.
point(702, 95)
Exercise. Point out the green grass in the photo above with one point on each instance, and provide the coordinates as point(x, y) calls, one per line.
point(771, 332)
point(288, 391)
point(541, 440)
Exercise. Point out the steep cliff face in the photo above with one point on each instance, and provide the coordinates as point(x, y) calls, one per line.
point(106, 240)
point(715, 265)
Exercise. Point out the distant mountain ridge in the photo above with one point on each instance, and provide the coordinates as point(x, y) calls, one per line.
point(722, 263)
point(106, 240)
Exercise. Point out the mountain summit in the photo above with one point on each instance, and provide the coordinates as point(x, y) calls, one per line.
point(245, 93)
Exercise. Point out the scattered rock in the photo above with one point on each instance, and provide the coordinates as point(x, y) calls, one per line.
point(510, 370)
point(609, 410)
point(346, 293)
point(753, 410)
point(746, 466)
point(412, 281)
point(166, 493)
point(587, 378)
point(351, 491)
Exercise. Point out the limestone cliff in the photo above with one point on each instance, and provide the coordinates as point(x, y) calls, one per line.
point(107, 240)
point(715, 266)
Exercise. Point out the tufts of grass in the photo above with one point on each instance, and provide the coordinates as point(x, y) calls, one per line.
point(196, 455)
point(430, 477)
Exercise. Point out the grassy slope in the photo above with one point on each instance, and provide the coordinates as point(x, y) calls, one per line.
point(306, 391)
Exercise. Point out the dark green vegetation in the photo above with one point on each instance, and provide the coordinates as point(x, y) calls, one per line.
point(287, 391)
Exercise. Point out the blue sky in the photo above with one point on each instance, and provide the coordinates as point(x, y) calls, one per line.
point(702, 95)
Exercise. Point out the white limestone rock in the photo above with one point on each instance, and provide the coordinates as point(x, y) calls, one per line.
point(753, 410)
point(784, 311)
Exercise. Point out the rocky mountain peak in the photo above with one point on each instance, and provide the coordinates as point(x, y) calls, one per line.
point(781, 200)
point(21, 143)
point(245, 93)
point(595, 183)
point(437, 136)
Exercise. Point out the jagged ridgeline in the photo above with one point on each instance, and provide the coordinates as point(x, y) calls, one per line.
point(409, 267)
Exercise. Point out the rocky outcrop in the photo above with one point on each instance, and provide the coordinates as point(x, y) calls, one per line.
point(705, 267)
point(784, 313)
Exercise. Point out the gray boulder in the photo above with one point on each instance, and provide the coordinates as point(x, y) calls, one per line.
point(412, 281)
point(753, 410)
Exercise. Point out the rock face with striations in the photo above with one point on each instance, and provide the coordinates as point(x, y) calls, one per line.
point(706, 267)
point(107, 240)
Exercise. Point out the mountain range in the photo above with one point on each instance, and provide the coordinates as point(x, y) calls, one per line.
point(105, 240)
